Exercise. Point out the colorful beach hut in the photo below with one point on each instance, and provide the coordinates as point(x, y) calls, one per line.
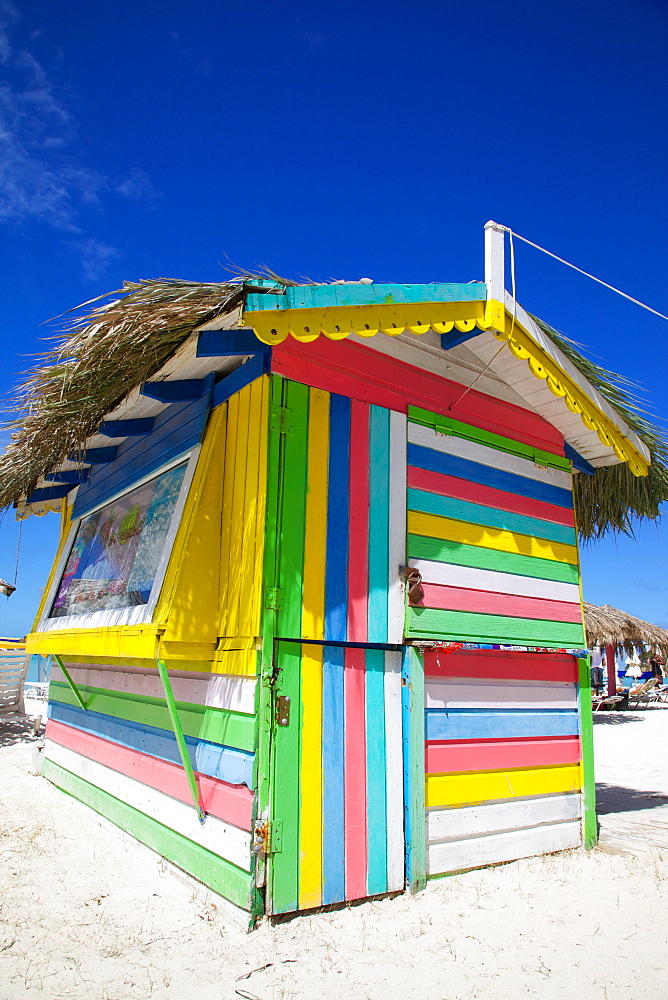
point(315, 616)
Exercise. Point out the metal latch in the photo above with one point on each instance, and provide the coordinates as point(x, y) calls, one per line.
point(268, 836)
point(281, 419)
point(283, 710)
point(274, 599)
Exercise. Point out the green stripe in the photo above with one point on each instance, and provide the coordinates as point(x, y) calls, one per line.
point(218, 725)
point(474, 513)
point(464, 626)
point(421, 547)
point(455, 428)
point(590, 826)
point(220, 875)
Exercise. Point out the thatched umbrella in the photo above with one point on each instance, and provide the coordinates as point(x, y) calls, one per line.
point(608, 626)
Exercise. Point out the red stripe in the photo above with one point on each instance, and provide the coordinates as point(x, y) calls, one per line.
point(358, 536)
point(500, 664)
point(231, 803)
point(366, 374)
point(356, 850)
point(488, 603)
point(484, 755)
point(462, 489)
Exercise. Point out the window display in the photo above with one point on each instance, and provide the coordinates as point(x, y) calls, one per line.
point(117, 549)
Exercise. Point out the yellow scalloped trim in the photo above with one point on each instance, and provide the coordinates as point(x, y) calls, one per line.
point(273, 326)
point(523, 346)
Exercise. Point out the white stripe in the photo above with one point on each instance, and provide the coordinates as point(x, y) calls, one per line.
point(394, 773)
point(500, 817)
point(237, 694)
point(397, 528)
point(453, 856)
point(497, 583)
point(483, 692)
point(474, 452)
point(221, 838)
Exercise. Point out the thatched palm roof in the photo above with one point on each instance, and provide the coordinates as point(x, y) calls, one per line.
point(113, 344)
point(608, 626)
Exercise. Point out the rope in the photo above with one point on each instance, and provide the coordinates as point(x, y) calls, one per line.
point(18, 550)
point(580, 271)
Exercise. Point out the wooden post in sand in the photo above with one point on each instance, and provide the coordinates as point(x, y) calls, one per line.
point(612, 669)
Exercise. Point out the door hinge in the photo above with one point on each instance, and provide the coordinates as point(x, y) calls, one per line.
point(273, 600)
point(283, 710)
point(268, 836)
point(281, 420)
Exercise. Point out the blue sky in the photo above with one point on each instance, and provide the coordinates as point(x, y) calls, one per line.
point(140, 140)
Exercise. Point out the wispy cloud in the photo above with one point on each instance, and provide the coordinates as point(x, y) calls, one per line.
point(43, 177)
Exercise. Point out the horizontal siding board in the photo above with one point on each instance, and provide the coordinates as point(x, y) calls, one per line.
point(176, 430)
point(465, 533)
point(459, 626)
point(488, 755)
point(223, 877)
point(230, 803)
point(472, 578)
point(488, 496)
point(223, 839)
point(501, 817)
point(473, 513)
point(459, 554)
point(471, 724)
point(484, 455)
point(226, 763)
point(495, 693)
point(493, 663)
point(485, 475)
point(501, 847)
point(493, 603)
point(463, 788)
point(234, 729)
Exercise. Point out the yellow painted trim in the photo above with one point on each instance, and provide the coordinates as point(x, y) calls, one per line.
point(315, 535)
point(310, 815)
point(524, 347)
point(469, 789)
point(116, 643)
point(272, 326)
point(446, 528)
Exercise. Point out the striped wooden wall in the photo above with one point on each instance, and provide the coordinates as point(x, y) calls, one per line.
point(120, 756)
point(491, 530)
point(502, 756)
point(338, 777)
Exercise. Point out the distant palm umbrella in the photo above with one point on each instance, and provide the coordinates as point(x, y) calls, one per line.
point(6, 588)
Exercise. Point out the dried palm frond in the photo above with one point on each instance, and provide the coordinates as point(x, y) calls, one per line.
point(608, 626)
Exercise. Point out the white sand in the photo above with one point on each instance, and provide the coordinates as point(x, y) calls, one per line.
point(88, 913)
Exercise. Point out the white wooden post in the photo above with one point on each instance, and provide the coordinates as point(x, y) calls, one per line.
point(495, 261)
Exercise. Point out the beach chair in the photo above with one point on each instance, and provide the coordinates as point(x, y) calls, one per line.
point(13, 670)
point(643, 693)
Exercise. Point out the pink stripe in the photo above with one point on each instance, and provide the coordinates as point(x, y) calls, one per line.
point(355, 775)
point(358, 537)
point(489, 603)
point(489, 496)
point(500, 664)
point(493, 755)
point(231, 803)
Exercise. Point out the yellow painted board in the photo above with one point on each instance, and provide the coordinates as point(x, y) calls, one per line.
point(262, 386)
point(227, 582)
point(238, 501)
point(470, 788)
point(315, 538)
point(240, 662)
point(448, 529)
point(311, 821)
point(122, 643)
point(252, 527)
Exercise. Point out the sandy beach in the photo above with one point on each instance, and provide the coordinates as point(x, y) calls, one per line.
point(86, 912)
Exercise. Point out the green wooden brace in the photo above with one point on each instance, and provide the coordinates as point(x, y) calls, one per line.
point(180, 740)
point(75, 690)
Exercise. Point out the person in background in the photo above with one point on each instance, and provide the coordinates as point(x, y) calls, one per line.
point(656, 663)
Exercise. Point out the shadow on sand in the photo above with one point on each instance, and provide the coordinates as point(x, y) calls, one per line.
point(617, 799)
point(19, 729)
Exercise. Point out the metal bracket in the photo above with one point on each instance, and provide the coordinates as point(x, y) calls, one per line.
point(280, 420)
point(273, 600)
point(283, 710)
point(268, 836)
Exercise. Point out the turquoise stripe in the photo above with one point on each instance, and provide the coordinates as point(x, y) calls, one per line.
point(474, 513)
point(375, 772)
point(379, 505)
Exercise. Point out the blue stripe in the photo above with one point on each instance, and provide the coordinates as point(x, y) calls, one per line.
point(485, 475)
point(473, 513)
point(333, 849)
point(336, 572)
point(483, 723)
point(375, 772)
point(226, 763)
point(379, 522)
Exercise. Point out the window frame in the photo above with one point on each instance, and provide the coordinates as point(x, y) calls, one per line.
point(141, 614)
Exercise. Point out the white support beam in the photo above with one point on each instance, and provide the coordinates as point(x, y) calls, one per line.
point(495, 261)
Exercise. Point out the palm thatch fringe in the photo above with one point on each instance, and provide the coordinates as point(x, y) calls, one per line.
point(608, 626)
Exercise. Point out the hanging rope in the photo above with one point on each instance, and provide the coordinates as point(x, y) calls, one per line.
point(18, 552)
